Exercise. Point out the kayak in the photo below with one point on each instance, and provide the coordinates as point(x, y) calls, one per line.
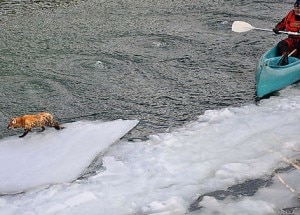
point(271, 77)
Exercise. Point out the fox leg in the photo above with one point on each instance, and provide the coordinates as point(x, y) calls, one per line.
point(57, 126)
point(25, 133)
point(43, 129)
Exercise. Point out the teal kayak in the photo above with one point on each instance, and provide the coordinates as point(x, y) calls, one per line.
point(271, 77)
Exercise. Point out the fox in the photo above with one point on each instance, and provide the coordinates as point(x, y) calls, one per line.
point(28, 122)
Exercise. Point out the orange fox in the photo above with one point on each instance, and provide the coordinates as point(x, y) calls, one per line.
point(39, 120)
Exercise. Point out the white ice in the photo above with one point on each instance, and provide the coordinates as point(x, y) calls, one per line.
point(168, 172)
point(54, 156)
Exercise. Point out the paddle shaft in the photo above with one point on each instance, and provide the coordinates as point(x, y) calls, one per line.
point(284, 59)
point(263, 29)
point(290, 54)
point(282, 32)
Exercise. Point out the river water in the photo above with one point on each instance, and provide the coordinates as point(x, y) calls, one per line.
point(163, 62)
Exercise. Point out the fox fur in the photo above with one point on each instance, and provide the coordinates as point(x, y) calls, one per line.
point(28, 122)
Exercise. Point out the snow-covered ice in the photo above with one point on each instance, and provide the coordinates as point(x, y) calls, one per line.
point(54, 156)
point(167, 173)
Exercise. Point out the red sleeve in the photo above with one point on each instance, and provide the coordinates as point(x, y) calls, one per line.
point(281, 25)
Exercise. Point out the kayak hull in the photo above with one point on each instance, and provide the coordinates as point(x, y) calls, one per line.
point(270, 77)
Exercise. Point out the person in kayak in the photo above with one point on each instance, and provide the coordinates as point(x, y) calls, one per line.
point(291, 22)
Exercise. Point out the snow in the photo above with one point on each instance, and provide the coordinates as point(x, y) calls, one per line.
point(55, 157)
point(167, 173)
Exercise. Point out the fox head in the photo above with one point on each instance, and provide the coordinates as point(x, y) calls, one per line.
point(13, 123)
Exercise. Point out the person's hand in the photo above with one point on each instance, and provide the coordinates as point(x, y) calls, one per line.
point(276, 30)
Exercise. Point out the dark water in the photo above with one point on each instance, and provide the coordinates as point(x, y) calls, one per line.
point(160, 61)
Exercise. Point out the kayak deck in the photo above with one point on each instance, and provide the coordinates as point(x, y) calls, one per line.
point(271, 77)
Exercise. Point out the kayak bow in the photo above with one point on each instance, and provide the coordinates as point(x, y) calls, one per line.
point(271, 77)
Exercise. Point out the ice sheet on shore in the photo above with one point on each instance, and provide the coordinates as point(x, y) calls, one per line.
point(52, 157)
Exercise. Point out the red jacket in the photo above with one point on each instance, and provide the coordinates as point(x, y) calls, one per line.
point(289, 23)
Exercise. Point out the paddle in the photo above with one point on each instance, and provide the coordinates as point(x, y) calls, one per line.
point(240, 26)
point(284, 59)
